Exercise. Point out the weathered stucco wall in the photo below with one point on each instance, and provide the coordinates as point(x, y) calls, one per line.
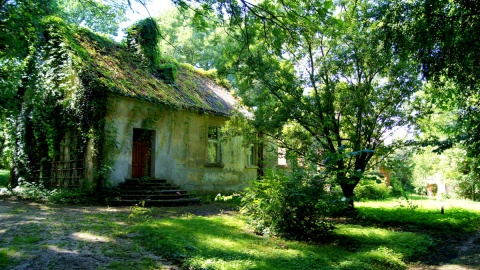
point(179, 146)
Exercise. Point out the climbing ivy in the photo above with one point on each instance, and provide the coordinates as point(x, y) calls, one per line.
point(55, 101)
point(144, 37)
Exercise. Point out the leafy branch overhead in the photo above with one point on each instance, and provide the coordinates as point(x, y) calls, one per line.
point(323, 67)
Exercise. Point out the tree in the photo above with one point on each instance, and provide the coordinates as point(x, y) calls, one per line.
point(322, 72)
point(442, 35)
point(100, 16)
point(186, 38)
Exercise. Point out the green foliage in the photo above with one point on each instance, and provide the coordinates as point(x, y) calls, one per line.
point(445, 166)
point(55, 106)
point(75, 196)
point(290, 207)
point(100, 16)
point(468, 185)
point(401, 166)
point(32, 191)
point(440, 34)
point(144, 37)
point(167, 72)
point(321, 67)
point(370, 190)
point(4, 177)
point(194, 37)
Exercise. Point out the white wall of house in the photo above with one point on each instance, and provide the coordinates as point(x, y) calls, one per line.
point(180, 147)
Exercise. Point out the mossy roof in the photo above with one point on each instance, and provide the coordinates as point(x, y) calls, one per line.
point(121, 72)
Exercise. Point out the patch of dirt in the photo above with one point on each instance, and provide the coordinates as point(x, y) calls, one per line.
point(37, 236)
point(454, 252)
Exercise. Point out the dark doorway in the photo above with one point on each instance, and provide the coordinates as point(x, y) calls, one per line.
point(142, 153)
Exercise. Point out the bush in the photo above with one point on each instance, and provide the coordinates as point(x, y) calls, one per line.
point(74, 196)
point(370, 190)
point(38, 192)
point(32, 190)
point(290, 207)
point(4, 175)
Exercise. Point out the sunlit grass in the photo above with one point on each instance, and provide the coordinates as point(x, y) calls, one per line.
point(386, 236)
point(223, 242)
point(458, 215)
point(422, 202)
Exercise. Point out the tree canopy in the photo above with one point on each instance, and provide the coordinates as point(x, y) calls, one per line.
point(319, 72)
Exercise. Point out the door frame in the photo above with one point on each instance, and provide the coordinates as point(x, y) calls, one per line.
point(151, 133)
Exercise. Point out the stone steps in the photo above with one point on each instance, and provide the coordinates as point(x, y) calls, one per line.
point(152, 192)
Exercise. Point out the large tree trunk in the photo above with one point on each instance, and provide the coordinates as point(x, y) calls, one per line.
point(347, 189)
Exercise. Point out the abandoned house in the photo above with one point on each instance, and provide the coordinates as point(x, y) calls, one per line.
point(95, 113)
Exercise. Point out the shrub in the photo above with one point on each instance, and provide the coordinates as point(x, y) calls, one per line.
point(32, 190)
point(370, 190)
point(290, 207)
point(38, 192)
point(74, 196)
point(4, 174)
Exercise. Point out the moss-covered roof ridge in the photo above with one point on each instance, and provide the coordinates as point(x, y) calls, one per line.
point(121, 71)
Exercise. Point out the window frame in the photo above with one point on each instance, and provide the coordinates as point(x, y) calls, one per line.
point(252, 156)
point(216, 141)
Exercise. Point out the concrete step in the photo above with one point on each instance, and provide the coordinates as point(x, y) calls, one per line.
point(152, 192)
point(154, 196)
point(170, 202)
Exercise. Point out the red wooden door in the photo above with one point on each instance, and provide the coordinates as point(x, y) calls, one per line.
point(141, 158)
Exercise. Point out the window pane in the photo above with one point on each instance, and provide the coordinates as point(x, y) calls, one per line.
point(251, 155)
point(213, 145)
point(212, 133)
point(212, 152)
point(282, 158)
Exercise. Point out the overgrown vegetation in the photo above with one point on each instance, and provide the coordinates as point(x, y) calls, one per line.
point(4, 177)
point(290, 206)
point(371, 190)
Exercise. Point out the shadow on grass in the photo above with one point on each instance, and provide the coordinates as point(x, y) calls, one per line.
point(447, 230)
point(222, 242)
point(35, 236)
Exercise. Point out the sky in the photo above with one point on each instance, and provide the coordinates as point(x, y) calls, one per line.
point(138, 12)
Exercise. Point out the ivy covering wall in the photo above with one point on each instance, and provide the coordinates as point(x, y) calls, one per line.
point(62, 99)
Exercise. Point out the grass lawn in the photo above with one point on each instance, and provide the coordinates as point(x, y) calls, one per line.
point(223, 242)
point(459, 215)
point(384, 236)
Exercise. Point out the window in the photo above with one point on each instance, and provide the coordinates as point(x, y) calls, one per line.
point(251, 156)
point(282, 157)
point(214, 151)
